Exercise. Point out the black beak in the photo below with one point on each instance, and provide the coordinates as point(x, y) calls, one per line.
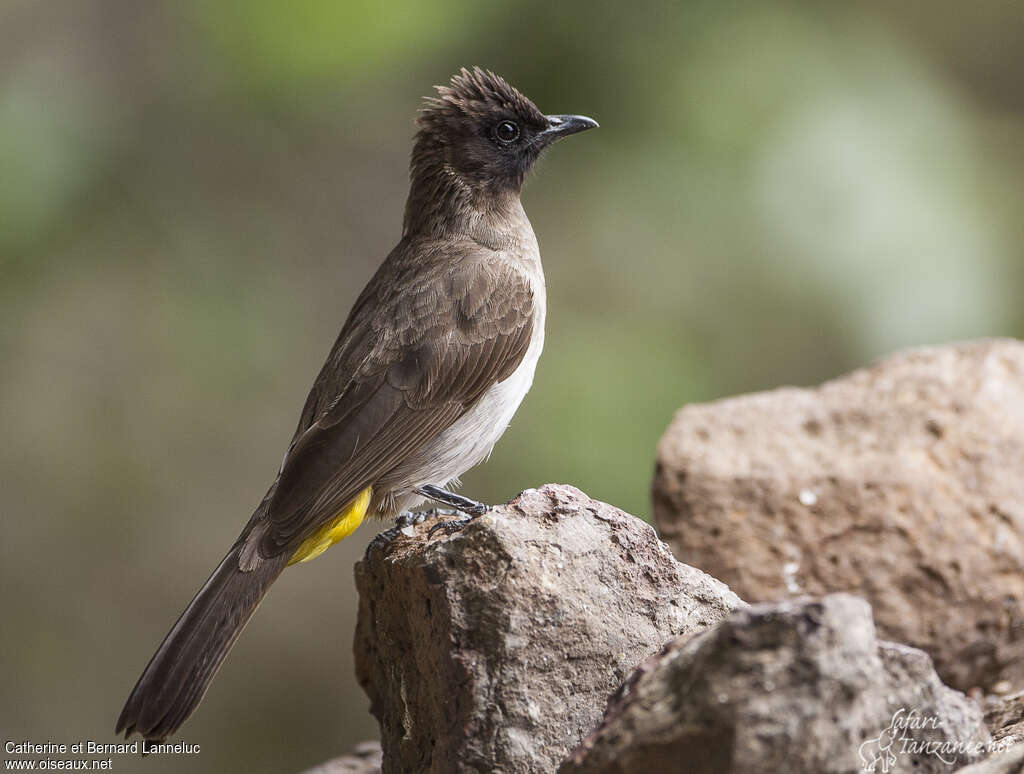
point(562, 126)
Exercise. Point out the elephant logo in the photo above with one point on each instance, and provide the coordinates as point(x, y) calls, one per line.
point(876, 753)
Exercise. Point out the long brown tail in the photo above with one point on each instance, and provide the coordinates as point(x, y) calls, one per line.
point(179, 673)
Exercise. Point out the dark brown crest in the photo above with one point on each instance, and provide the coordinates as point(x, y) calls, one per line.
point(477, 93)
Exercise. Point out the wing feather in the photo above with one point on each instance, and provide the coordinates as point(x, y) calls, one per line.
point(433, 355)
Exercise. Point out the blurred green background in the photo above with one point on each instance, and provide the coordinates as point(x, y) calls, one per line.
point(192, 194)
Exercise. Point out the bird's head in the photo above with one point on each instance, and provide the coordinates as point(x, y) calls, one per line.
point(485, 133)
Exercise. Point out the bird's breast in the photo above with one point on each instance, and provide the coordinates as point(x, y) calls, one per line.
point(471, 438)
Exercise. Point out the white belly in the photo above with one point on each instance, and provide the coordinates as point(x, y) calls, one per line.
point(471, 438)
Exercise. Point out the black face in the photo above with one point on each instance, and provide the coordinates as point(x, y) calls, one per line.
point(487, 132)
point(499, 149)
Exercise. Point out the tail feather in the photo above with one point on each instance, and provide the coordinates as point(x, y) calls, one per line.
point(179, 673)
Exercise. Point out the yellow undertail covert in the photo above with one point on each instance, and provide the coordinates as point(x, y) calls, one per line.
point(336, 530)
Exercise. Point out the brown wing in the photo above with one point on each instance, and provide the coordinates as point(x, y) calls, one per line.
point(435, 347)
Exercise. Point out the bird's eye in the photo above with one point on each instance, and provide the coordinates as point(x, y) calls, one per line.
point(506, 132)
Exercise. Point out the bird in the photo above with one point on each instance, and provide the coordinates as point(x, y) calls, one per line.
point(431, 364)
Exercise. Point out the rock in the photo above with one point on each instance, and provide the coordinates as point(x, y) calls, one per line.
point(800, 686)
point(1008, 762)
point(903, 482)
point(365, 759)
point(1004, 717)
point(495, 649)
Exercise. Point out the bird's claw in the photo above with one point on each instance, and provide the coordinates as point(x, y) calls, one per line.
point(409, 519)
point(402, 522)
point(452, 526)
point(449, 527)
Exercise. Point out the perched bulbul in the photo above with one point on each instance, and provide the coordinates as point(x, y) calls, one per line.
point(431, 364)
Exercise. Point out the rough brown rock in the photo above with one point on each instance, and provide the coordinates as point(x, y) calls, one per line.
point(802, 687)
point(1005, 718)
point(1007, 762)
point(903, 482)
point(495, 649)
point(364, 759)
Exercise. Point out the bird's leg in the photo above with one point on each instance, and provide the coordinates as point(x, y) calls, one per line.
point(464, 504)
point(470, 507)
point(431, 513)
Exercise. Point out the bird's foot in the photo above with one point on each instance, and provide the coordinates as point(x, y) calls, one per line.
point(459, 504)
point(402, 523)
point(471, 508)
point(451, 526)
